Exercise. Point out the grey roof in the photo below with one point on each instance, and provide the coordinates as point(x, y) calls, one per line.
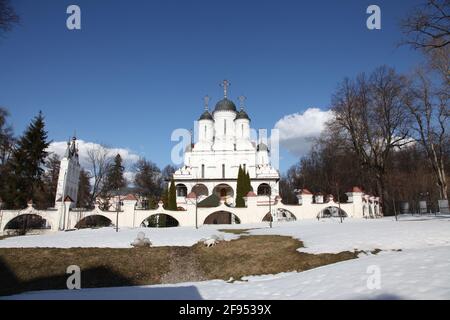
point(225, 105)
point(242, 115)
point(206, 116)
point(209, 202)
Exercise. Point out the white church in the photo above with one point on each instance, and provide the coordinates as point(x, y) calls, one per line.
point(209, 172)
point(224, 144)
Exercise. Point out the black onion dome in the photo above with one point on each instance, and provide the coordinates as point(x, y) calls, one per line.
point(242, 115)
point(206, 116)
point(225, 105)
point(262, 147)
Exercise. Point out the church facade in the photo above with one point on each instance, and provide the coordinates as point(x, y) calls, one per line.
point(224, 144)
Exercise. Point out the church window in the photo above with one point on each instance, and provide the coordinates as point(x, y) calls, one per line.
point(205, 132)
point(225, 127)
point(203, 171)
point(223, 171)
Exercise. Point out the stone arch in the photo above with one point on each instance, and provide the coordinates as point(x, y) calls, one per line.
point(223, 190)
point(222, 217)
point(332, 212)
point(263, 189)
point(285, 215)
point(160, 220)
point(200, 190)
point(181, 190)
point(93, 221)
point(27, 221)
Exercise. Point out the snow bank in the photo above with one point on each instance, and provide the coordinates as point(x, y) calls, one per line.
point(331, 236)
point(410, 274)
point(109, 238)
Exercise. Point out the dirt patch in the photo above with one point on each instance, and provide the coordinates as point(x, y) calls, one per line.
point(25, 269)
point(183, 267)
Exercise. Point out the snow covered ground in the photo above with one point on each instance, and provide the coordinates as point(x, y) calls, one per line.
point(331, 236)
point(109, 238)
point(420, 271)
point(325, 236)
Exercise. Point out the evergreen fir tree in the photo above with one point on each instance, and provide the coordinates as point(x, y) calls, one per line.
point(27, 164)
point(115, 179)
point(149, 181)
point(45, 196)
point(165, 198)
point(84, 190)
point(240, 186)
point(248, 184)
point(172, 197)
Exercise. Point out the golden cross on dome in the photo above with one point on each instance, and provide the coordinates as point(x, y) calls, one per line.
point(225, 84)
point(241, 101)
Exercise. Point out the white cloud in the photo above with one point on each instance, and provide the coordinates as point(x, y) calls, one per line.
point(298, 130)
point(129, 176)
point(59, 148)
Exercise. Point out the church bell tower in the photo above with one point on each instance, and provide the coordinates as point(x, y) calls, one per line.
point(69, 174)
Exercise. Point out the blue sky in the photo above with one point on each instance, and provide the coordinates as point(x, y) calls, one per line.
point(139, 69)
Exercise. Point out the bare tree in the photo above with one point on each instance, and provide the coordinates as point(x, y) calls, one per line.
point(6, 138)
point(7, 16)
point(428, 26)
point(438, 61)
point(429, 109)
point(99, 159)
point(370, 116)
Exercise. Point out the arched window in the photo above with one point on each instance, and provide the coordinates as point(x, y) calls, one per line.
point(181, 190)
point(200, 190)
point(223, 171)
point(203, 171)
point(264, 189)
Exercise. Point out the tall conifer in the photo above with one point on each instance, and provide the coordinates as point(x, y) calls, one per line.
point(172, 197)
point(240, 186)
point(27, 164)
